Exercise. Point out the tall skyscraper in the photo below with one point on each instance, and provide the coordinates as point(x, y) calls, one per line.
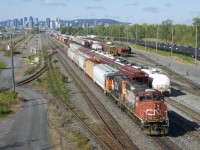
point(36, 22)
point(21, 22)
point(25, 22)
point(16, 24)
point(30, 23)
point(8, 23)
point(47, 22)
point(58, 23)
point(52, 24)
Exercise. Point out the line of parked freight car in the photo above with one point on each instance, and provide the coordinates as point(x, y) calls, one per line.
point(113, 49)
point(157, 80)
point(189, 51)
point(129, 92)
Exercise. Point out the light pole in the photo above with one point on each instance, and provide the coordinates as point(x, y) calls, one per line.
point(145, 39)
point(12, 62)
point(111, 33)
point(119, 34)
point(127, 33)
point(157, 39)
point(135, 35)
point(172, 40)
point(196, 47)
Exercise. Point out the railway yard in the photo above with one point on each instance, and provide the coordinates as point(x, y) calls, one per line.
point(101, 119)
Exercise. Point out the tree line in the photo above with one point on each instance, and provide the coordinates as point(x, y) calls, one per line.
point(164, 32)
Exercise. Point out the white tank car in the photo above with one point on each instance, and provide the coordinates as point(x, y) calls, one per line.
point(96, 46)
point(158, 81)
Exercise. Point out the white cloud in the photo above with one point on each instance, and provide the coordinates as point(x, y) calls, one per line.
point(151, 9)
point(52, 3)
point(47, 2)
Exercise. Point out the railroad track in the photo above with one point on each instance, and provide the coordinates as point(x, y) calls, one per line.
point(165, 143)
point(162, 142)
point(180, 124)
point(36, 75)
point(191, 87)
point(110, 132)
point(194, 115)
point(33, 77)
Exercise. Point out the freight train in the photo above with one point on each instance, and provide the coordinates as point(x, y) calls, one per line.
point(157, 80)
point(188, 51)
point(110, 48)
point(129, 92)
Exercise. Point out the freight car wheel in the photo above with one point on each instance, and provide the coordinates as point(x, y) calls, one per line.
point(106, 93)
point(141, 126)
point(122, 107)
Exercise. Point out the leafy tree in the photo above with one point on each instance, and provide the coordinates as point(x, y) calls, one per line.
point(166, 30)
point(196, 24)
point(196, 21)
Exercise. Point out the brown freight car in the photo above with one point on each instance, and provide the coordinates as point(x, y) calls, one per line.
point(122, 51)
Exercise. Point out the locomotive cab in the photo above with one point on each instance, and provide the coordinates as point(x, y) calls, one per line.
point(152, 112)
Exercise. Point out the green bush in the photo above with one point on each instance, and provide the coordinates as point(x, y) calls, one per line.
point(2, 66)
point(80, 141)
point(7, 54)
point(8, 99)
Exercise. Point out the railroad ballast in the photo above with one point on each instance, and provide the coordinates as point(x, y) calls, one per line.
point(132, 94)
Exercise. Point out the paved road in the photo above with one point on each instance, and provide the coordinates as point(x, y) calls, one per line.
point(191, 72)
point(6, 74)
point(28, 129)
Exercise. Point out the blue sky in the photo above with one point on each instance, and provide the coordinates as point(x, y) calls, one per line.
point(133, 11)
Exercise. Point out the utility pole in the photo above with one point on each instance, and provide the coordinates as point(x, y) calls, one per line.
point(127, 33)
point(172, 40)
point(196, 47)
point(12, 62)
point(157, 39)
point(119, 34)
point(145, 39)
point(135, 35)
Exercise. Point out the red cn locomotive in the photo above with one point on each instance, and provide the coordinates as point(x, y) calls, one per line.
point(147, 105)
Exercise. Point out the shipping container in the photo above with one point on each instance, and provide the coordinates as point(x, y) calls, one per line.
point(89, 67)
point(100, 73)
point(76, 57)
point(73, 54)
point(82, 59)
point(69, 52)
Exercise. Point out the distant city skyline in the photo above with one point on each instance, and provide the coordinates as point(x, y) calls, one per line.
point(133, 11)
point(48, 23)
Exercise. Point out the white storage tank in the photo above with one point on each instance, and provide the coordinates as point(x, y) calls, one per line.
point(96, 46)
point(100, 73)
point(160, 82)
